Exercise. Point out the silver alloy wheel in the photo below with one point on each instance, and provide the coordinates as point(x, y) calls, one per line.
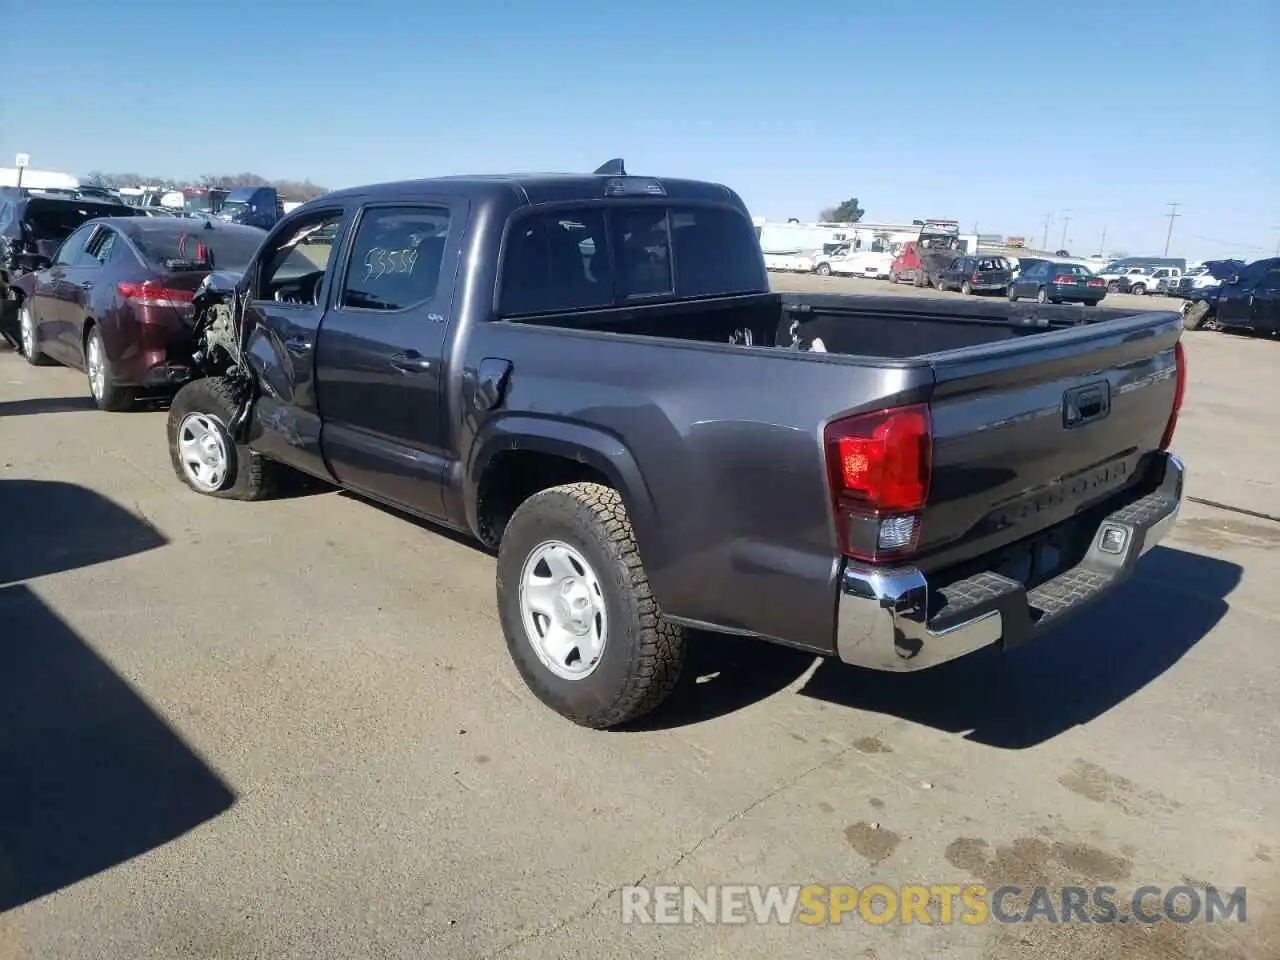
point(202, 446)
point(1042, 296)
point(95, 365)
point(563, 610)
point(28, 323)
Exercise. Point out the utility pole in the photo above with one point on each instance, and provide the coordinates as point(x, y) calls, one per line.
point(1048, 219)
point(1102, 244)
point(1172, 215)
point(1066, 219)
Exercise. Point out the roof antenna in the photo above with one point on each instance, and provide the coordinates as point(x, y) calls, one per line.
point(612, 168)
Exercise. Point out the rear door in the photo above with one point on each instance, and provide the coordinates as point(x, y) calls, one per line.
point(1235, 302)
point(55, 295)
point(1265, 310)
point(1030, 279)
point(380, 362)
point(288, 286)
point(83, 279)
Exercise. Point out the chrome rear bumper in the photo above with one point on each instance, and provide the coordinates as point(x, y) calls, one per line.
point(890, 619)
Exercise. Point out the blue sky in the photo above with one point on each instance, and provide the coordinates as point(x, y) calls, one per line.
point(997, 113)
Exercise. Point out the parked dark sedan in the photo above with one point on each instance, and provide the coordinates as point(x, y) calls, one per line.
point(1051, 281)
point(116, 301)
point(975, 275)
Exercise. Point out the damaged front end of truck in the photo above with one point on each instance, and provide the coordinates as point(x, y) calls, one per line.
point(220, 339)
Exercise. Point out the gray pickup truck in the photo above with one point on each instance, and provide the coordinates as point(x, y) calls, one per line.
point(590, 374)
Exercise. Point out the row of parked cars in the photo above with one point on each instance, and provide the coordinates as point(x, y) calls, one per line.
point(590, 375)
point(106, 287)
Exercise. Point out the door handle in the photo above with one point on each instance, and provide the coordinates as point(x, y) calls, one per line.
point(411, 362)
point(297, 344)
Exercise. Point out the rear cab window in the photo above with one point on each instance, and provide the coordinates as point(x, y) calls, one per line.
point(619, 254)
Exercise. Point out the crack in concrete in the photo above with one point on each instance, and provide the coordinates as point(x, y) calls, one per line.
point(577, 915)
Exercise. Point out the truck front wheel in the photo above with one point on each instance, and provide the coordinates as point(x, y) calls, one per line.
point(579, 617)
point(204, 454)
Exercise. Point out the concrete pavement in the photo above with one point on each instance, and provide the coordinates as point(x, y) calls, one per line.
point(291, 729)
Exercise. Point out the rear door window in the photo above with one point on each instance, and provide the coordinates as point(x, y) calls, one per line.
point(556, 262)
point(72, 252)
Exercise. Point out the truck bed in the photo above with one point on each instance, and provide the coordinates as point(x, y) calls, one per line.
point(847, 324)
point(728, 438)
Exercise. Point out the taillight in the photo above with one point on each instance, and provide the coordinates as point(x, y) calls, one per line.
point(879, 467)
point(155, 294)
point(976, 278)
point(1179, 390)
point(1095, 282)
point(1064, 278)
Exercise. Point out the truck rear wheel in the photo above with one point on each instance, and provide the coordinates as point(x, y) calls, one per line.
point(205, 456)
point(577, 612)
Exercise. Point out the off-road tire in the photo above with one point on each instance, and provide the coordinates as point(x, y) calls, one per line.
point(250, 476)
point(823, 269)
point(643, 654)
point(1138, 289)
point(1113, 286)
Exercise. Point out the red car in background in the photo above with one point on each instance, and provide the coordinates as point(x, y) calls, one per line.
point(116, 301)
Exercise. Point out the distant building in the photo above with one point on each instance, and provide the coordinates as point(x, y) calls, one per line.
point(38, 179)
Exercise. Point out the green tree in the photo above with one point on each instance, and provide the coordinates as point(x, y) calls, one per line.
point(846, 212)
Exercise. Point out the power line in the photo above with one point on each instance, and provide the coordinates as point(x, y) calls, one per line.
point(1173, 214)
point(1066, 219)
point(1048, 219)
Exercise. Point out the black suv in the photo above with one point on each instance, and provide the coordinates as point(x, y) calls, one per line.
point(33, 224)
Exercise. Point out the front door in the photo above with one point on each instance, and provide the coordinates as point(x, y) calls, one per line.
point(287, 289)
point(380, 359)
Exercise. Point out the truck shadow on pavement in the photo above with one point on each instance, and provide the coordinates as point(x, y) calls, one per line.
point(1067, 677)
point(18, 408)
point(90, 775)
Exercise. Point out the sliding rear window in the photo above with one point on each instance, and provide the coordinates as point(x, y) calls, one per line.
point(590, 258)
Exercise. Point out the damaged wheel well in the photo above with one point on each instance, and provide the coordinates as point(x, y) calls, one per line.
point(513, 476)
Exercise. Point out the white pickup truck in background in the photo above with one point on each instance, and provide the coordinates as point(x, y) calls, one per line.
point(844, 261)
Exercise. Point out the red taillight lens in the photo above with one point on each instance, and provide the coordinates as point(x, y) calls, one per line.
point(154, 294)
point(977, 277)
point(1179, 390)
point(1064, 278)
point(879, 468)
point(1097, 283)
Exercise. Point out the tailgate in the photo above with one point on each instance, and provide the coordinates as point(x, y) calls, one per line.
point(1028, 432)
